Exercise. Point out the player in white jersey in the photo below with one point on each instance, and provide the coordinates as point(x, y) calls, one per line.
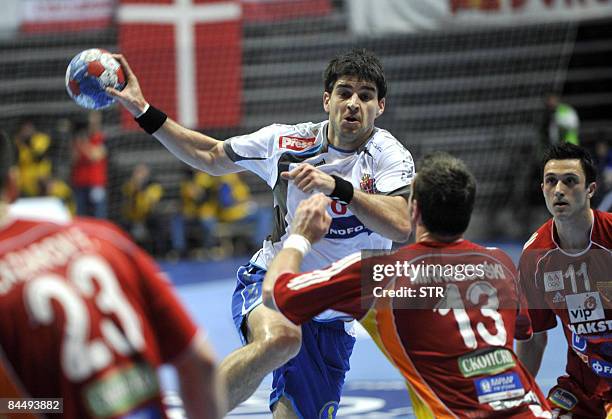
point(366, 172)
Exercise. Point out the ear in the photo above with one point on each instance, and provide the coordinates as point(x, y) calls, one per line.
point(591, 190)
point(415, 215)
point(381, 107)
point(326, 98)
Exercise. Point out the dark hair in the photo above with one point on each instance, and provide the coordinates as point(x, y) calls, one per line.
point(568, 151)
point(359, 63)
point(445, 190)
point(6, 158)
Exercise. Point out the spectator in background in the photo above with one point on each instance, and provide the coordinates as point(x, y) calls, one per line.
point(603, 159)
point(34, 163)
point(236, 206)
point(561, 122)
point(141, 196)
point(89, 167)
point(199, 206)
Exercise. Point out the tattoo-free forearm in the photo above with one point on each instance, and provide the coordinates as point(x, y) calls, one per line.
point(530, 352)
point(386, 215)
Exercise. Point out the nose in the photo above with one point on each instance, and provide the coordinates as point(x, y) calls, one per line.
point(353, 102)
point(559, 189)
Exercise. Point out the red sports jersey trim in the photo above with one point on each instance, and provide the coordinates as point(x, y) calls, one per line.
point(322, 275)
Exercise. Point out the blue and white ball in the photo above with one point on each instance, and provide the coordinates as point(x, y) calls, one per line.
point(89, 73)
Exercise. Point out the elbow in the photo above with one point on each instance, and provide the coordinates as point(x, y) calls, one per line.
point(401, 232)
point(267, 296)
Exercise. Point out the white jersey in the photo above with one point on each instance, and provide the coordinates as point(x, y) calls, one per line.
point(381, 165)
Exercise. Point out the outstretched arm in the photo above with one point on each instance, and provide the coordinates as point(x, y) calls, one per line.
point(192, 147)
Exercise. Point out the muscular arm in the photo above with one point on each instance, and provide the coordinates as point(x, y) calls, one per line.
point(192, 147)
point(196, 149)
point(530, 352)
point(287, 260)
point(386, 215)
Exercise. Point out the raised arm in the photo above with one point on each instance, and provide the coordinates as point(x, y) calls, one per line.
point(194, 148)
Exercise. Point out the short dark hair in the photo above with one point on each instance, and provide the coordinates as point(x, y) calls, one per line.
point(6, 158)
point(359, 63)
point(568, 151)
point(445, 190)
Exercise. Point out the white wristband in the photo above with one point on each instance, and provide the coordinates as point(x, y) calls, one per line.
point(297, 242)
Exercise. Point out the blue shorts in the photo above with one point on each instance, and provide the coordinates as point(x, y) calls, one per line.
point(313, 380)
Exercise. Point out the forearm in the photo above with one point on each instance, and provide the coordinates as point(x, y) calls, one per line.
point(530, 352)
point(287, 260)
point(386, 215)
point(194, 148)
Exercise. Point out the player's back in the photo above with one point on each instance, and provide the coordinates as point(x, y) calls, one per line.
point(85, 316)
point(456, 351)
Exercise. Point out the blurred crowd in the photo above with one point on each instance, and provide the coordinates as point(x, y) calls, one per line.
point(215, 217)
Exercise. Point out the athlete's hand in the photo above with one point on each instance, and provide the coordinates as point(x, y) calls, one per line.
point(308, 178)
point(131, 96)
point(311, 219)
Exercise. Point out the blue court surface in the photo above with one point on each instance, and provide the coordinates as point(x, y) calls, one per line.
point(374, 389)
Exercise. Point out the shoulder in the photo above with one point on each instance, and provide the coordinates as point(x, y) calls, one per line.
point(541, 239)
point(385, 147)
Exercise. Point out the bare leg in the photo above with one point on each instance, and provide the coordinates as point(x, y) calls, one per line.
point(273, 341)
point(284, 409)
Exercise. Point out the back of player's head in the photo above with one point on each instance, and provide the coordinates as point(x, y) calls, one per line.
point(568, 151)
point(359, 63)
point(445, 191)
point(6, 158)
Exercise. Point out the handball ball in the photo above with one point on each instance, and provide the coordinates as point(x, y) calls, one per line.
point(89, 73)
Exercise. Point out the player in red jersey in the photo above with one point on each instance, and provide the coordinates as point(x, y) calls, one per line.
point(85, 315)
point(565, 271)
point(456, 356)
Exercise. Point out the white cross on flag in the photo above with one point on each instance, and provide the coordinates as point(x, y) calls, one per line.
point(187, 56)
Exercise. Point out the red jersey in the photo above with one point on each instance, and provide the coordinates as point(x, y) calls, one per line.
point(85, 315)
point(87, 172)
point(577, 289)
point(457, 362)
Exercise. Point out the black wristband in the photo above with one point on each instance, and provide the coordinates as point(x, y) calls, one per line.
point(151, 120)
point(343, 191)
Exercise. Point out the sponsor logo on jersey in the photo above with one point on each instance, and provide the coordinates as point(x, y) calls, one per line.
point(584, 307)
point(562, 398)
point(591, 327)
point(529, 398)
point(346, 228)
point(367, 183)
point(121, 390)
point(295, 143)
point(491, 361)
point(601, 368)
point(578, 342)
point(558, 298)
point(553, 281)
point(499, 387)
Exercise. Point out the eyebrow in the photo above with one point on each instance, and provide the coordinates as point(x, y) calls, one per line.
point(350, 86)
point(561, 174)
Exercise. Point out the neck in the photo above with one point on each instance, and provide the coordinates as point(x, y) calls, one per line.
point(335, 140)
point(424, 235)
point(575, 234)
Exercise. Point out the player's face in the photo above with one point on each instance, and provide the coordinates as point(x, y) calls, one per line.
point(352, 106)
point(565, 190)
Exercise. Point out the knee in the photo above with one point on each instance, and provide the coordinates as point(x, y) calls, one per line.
point(284, 341)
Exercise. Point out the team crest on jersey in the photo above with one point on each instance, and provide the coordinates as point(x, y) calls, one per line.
point(367, 183)
point(295, 143)
point(562, 398)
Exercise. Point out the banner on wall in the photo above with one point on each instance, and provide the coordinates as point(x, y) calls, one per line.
point(379, 17)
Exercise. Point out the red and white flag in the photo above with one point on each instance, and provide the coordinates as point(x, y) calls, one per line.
point(187, 56)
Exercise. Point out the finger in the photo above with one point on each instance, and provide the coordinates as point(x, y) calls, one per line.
point(126, 67)
point(113, 92)
point(286, 175)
